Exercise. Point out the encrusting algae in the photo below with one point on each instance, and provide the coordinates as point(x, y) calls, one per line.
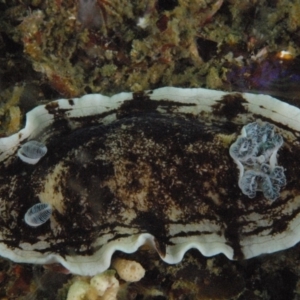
point(111, 46)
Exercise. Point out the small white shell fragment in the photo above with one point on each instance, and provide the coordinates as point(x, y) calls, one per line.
point(129, 270)
point(106, 284)
point(38, 214)
point(31, 152)
point(78, 290)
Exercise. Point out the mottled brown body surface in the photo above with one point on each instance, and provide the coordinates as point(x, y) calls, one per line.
point(142, 172)
point(148, 168)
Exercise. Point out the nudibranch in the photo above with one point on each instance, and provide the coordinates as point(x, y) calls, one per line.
point(171, 168)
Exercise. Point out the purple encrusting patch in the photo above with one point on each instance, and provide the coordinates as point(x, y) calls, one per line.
point(264, 75)
point(89, 13)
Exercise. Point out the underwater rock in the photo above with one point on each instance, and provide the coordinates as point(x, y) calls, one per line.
point(146, 168)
